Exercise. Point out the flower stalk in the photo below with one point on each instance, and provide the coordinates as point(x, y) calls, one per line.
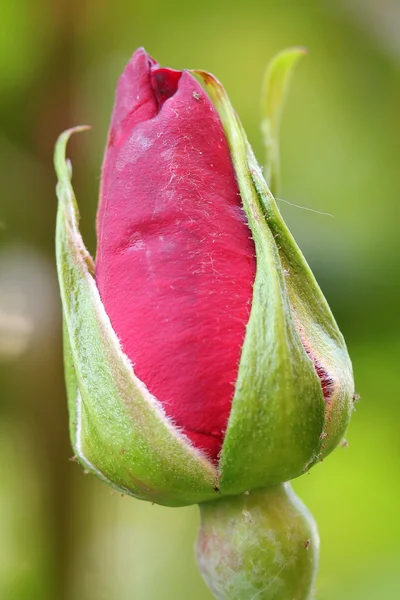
point(259, 545)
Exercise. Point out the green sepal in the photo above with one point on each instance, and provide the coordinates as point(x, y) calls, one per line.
point(275, 87)
point(276, 422)
point(71, 384)
point(314, 320)
point(118, 430)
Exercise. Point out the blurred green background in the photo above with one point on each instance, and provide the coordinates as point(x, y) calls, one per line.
point(64, 536)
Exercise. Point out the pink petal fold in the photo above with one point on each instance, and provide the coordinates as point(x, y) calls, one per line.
point(175, 259)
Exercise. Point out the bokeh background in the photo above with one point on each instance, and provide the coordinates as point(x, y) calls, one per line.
point(64, 536)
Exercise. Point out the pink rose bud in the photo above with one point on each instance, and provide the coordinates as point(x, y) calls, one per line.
point(201, 356)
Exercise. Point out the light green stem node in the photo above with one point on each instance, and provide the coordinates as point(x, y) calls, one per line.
point(260, 545)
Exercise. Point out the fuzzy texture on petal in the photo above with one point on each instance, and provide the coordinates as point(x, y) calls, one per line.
point(175, 260)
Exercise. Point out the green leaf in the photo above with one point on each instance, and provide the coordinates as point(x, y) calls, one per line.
point(276, 84)
point(277, 416)
point(119, 431)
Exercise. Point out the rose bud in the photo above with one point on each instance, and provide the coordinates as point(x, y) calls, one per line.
point(202, 357)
